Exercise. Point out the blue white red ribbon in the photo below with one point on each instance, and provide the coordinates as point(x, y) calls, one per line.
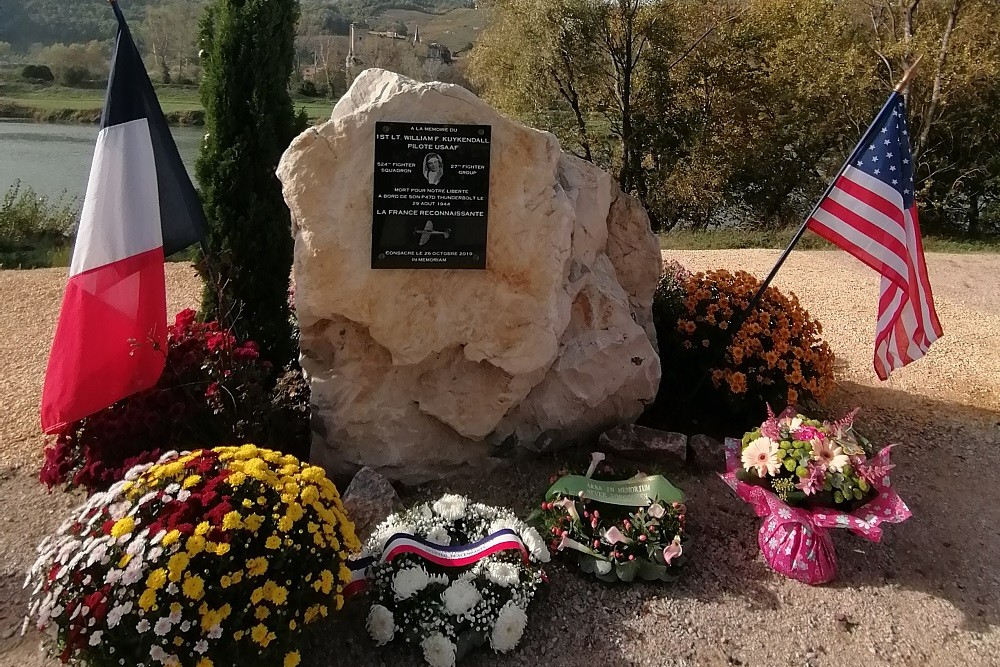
point(461, 555)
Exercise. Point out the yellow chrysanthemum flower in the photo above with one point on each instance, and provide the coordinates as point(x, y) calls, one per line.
point(194, 587)
point(123, 527)
point(256, 567)
point(195, 545)
point(204, 662)
point(156, 579)
point(292, 659)
point(171, 537)
point(232, 521)
point(273, 542)
point(147, 599)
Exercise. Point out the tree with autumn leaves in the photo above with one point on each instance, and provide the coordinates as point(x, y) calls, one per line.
point(745, 109)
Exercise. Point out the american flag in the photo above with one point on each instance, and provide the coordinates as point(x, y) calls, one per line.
point(871, 213)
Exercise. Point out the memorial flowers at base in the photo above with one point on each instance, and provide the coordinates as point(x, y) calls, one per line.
point(804, 477)
point(217, 557)
point(452, 575)
point(618, 530)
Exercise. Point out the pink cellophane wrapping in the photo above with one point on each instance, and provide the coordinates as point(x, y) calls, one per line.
point(796, 541)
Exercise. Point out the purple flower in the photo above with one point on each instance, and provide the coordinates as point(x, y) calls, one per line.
point(814, 482)
point(808, 433)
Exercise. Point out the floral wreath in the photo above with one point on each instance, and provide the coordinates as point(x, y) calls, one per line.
point(627, 529)
point(451, 575)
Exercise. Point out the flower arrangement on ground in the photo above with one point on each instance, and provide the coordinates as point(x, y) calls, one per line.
point(804, 477)
point(217, 557)
point(213, 391)
point(452, 575)
point(619, 530)
point(777, 356)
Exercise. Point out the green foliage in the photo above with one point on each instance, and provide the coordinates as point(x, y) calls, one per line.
point(37, 73)
point(34, 228)
point(743, 110)
point(249, 48)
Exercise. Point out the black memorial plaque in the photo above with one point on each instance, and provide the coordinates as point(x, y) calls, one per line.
point(431, 197)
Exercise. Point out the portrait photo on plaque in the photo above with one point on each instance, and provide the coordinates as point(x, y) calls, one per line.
point(430, 205)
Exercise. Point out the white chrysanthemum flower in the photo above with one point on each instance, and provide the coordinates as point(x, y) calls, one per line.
point(460, 597)
point(381, 625)
point(438, 535)
point(142, 626)
point(409, 581)
point(424, 511)
point(536, 545)
point(502, 574)
point(162, 626)
point(95, 638)
point(439, 651)
point(509, 628)
point(451, 507)
point(504, 523)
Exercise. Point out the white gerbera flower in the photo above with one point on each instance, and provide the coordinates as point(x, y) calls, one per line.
point(536, 545)
point(439, 651)
point(438, 535)
point(460, 597)
point(502, 574)
point(508, 629)
point(409, 581)
point(381, 625)
point(451, 507)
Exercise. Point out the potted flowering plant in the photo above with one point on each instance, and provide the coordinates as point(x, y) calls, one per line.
point(450, 576)
point(804, 477)
point(618, 530)
point(217, 557)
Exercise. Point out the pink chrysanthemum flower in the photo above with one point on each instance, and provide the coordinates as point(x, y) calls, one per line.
point(814, 482)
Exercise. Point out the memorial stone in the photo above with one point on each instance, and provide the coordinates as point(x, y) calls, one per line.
point(456, 363)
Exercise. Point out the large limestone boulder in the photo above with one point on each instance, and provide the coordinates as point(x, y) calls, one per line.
point(420, 374)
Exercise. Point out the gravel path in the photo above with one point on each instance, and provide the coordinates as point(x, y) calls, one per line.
point(929, 594)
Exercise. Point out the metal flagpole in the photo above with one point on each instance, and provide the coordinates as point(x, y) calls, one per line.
point(741, 317)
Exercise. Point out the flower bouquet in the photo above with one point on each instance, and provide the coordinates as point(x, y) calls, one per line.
point(805, 477)
point(218, 557)
point(452, 575)
point(618, 529)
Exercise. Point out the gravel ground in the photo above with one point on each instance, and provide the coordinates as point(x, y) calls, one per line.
point(929, 594)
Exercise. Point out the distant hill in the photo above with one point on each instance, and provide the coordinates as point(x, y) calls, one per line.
point(27, 22)
point(455, 29)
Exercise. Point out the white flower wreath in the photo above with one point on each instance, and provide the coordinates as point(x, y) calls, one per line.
point(449, 609)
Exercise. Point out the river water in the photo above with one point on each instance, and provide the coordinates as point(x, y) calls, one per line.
point(55, 159)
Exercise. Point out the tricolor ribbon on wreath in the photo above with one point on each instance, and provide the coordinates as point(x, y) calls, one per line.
point(460, 555)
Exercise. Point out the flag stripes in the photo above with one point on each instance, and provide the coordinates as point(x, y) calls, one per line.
point(871, 213)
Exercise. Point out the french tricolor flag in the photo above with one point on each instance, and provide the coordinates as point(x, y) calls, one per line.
point(140, 207)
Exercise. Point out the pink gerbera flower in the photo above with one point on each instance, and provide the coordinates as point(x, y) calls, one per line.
point(825, 454)
point(762, 455)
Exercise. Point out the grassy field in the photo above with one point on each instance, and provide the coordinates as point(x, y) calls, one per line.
point(180, 103)
point(738, 238)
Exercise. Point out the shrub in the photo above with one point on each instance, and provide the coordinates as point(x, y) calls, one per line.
point(32, 225)
point(777, 357)
point(76, 75)
point(216, 557)
point(213, 391)
point(37, 73)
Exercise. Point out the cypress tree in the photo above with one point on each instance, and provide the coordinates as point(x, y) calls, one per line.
point(248, 50)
